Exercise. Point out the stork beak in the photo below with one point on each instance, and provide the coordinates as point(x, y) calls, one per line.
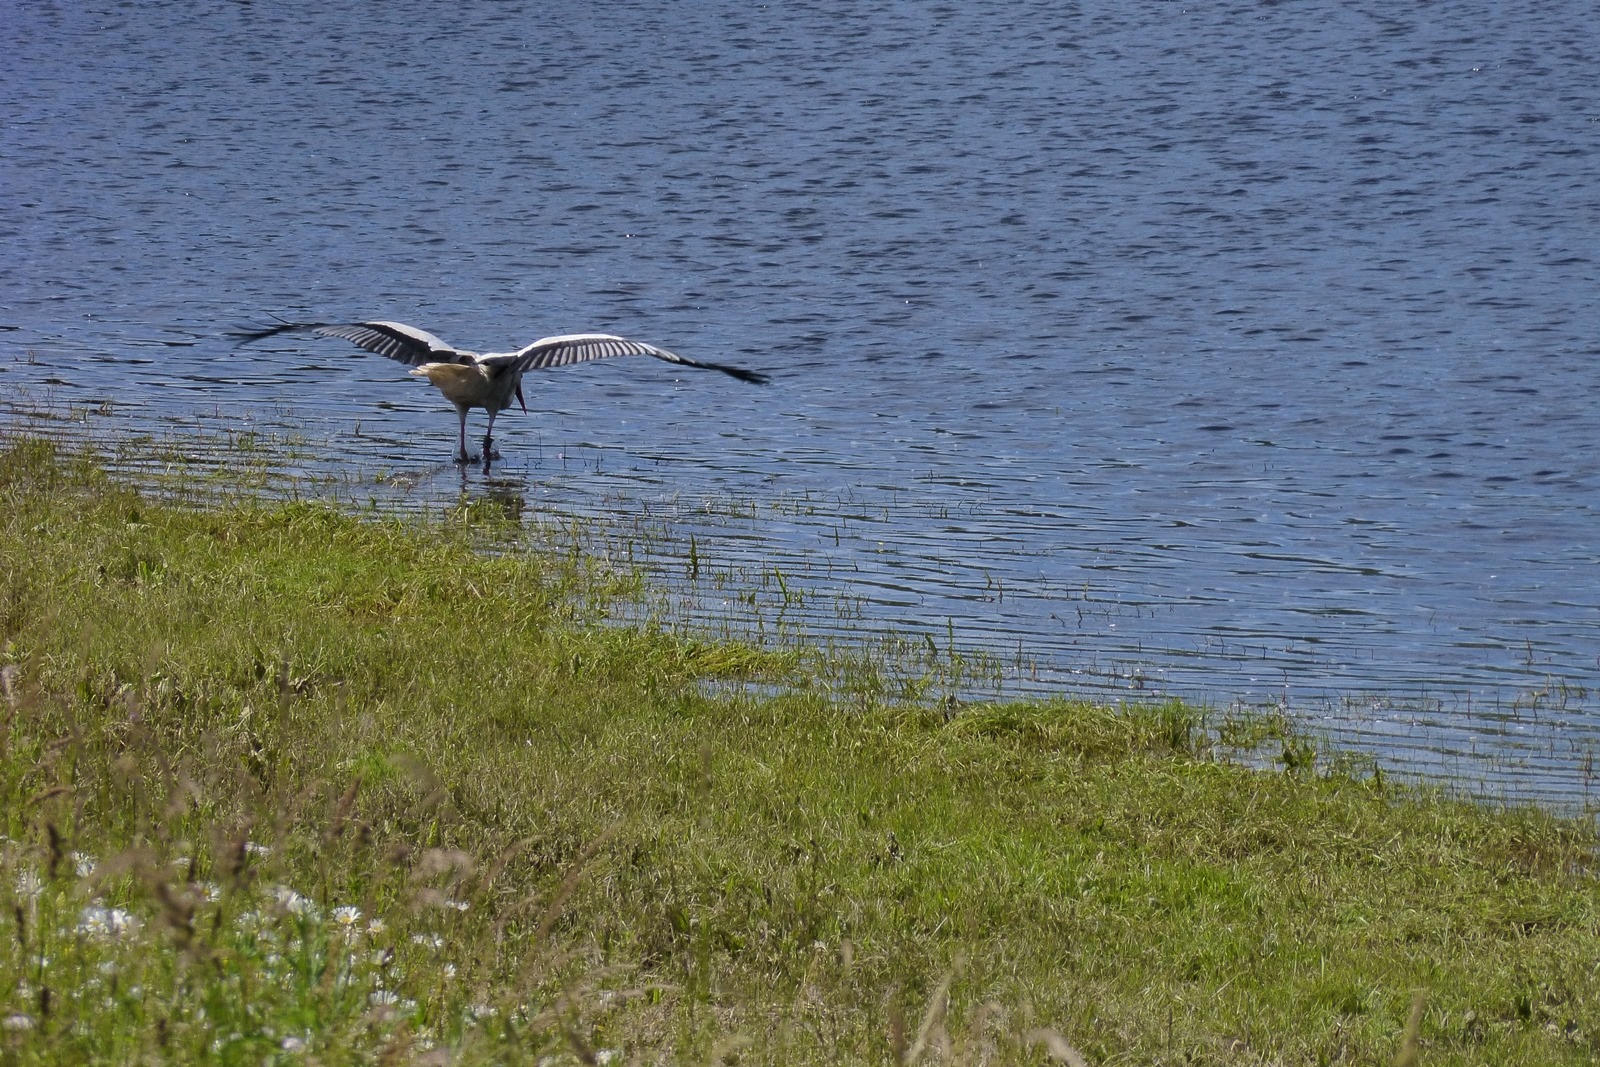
point(520, 401)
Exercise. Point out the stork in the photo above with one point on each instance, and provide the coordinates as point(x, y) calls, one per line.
point(489, 380)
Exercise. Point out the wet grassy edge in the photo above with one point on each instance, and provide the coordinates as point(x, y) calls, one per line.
point(284, 784)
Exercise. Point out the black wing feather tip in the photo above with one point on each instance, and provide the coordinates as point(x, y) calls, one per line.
point(753, 377)
point(246, 334)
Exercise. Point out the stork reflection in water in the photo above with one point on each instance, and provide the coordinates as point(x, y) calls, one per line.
point(489, 380)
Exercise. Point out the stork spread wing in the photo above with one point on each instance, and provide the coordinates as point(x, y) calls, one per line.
point(580, 347)
point(416, 347)
point(393, 339)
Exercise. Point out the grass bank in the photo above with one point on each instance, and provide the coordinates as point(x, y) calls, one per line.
point(282, 785)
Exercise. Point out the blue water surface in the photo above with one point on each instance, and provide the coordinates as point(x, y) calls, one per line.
point(1242, 352)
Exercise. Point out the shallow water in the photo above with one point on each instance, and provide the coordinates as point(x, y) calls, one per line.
point(1245, 353)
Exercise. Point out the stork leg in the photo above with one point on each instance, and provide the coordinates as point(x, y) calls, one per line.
point(488, 439)
point(461, 438)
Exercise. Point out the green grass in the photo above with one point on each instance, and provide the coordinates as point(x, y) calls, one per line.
point(283, 785)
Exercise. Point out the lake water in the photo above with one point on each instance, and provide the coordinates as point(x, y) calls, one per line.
point(1241, 352)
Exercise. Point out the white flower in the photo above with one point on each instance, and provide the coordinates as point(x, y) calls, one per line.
point(293, 1044)
point(433, 941)
point(347, 915)
point(29, 884)
point(106, 922)
point(483, 1011)
point(83, 863)
point(17, 1022)
point(459, 905)
point(375, 926)
point(383, 997)
point(254, 849)
point(293, 902)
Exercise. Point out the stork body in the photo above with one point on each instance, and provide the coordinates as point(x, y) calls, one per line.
point(490, 380)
